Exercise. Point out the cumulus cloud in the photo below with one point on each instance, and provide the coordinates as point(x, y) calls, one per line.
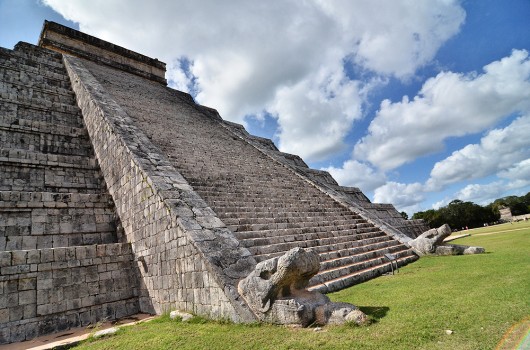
point(497, 152)
point(399, 194)
point(245, 57)
point(357, 174)
point(316, 114)
point(519, 171)
point(502, 153)
point(448, 105)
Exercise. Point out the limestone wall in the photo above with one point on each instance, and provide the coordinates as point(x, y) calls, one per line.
point(49, 290)
point(186, 256)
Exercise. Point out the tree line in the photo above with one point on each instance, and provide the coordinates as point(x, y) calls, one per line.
point(459, 214)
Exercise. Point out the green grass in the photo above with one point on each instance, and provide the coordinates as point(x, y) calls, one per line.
point(478, 297)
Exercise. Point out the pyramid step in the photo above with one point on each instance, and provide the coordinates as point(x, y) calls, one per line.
point(24, 157)
point(54, 289)
point(323, 231)
point(45, 79)
point(38, 97)
point(321, 238)
point(276, 218)
point(334, 258)
point(30, 171)
point(35, 63)
point(222, 190)
point(60, 140)
point(239, 204)
point(39, 199)
point(31, 63)
point(235, 203)
point(266, 252)
point(25, 242)
point(359, 276)
point(307, 227)
point(30, 89)
point(253, 187)
point(18, 72)
point(37, 53)
point(12, 113)
point(15, 102)
point(258, 212)
point(29, 56)
point(355, 263)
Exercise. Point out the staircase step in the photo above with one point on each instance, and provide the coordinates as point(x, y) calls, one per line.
point(31, 171)
point(332, 258)
point(357, 262)
point(25, 75)
point(36, 97)
point(318, 219)
point(13, 113)
point(318, 230)
point(266, 252)
point(272, 230)
point(23, 49)
point(359, 276)
point(56, 141)
point(29, 89)
point(39, 199)
point(29, 56)
point(15, 102)
point(337, 236)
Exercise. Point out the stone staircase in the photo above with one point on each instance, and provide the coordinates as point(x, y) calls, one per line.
point(269, 208)
point(61, 263)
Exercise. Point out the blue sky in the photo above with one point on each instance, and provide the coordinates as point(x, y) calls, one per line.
point(417, 103)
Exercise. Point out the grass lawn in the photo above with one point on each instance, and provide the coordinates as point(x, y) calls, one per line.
point(478, 297)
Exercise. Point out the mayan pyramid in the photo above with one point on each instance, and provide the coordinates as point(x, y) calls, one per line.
point(120, 195)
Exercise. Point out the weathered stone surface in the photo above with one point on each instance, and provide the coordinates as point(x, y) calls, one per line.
point(184, 316)
point(276, 292)
point(431, 243)
point(61, 265)
point(105, 332)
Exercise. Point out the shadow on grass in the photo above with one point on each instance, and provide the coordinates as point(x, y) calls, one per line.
point(375, 313)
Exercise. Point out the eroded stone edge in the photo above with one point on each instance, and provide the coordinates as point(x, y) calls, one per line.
point(226, 259)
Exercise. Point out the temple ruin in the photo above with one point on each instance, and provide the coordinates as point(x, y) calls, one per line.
point(120, 195)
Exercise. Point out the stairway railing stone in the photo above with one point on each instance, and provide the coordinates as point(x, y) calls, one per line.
point(166, 222)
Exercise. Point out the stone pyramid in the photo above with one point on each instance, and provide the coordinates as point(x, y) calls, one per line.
point(120, 195)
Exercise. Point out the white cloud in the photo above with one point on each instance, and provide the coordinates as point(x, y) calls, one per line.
point(517, 172)
point(399, 194)
point(502, 152)
point(356, 174)
point(287, 56)
point(448, 105)
point(396, 37)
point(316, 114)
point(498, 151)
point(487, 193)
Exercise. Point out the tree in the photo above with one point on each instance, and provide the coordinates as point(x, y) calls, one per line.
point(458, 214)
point(404, 215)
point(517, 205)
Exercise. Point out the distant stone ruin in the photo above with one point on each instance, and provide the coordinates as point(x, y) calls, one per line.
point(506, 214)
point(119, 195)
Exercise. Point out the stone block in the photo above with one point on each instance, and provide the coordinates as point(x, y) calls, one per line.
point(19, 257)
point(27, 284)
point(4, 316)
point(16, 313)
point(5, 259)
point(27, 297)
